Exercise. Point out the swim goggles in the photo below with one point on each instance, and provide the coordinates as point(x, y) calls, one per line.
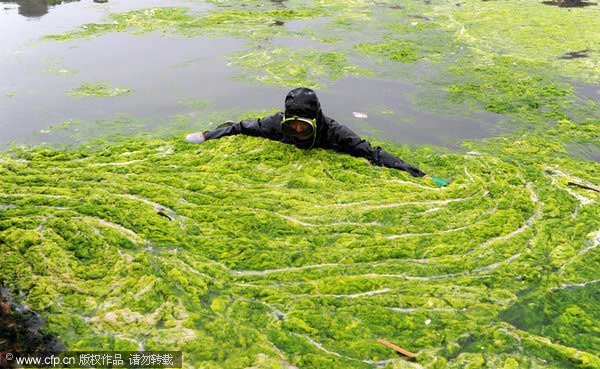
point(300, 129)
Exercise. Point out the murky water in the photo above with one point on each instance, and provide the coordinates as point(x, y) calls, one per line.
point(163, 73)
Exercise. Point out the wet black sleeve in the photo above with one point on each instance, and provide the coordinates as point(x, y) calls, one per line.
point(343, 139)
point(267, 127)
point(251, 127)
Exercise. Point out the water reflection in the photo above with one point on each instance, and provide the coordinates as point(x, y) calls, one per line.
point(36, 8)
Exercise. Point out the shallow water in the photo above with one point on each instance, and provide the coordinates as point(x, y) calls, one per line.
point(163, 73)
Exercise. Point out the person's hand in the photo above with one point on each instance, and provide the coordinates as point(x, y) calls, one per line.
point(196, 137)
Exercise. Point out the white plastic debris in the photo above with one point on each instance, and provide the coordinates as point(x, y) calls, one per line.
point(360, 115)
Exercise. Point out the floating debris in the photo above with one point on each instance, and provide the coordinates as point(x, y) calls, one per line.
point(416, 16)
point(575, 54)
point(584, 186)
point(359, 115)
point(396, 348)
point(165, 213)
point(569, 3)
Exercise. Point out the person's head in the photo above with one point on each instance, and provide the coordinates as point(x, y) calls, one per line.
point(302, 116)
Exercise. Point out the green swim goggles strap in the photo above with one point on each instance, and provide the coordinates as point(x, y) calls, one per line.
point(311, 122)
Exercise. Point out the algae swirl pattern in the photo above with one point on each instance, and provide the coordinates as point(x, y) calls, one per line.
point(247, 252)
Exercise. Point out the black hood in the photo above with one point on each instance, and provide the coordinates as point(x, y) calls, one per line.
point(303, 102)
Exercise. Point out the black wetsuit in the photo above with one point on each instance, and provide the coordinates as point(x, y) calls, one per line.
point(303, 102)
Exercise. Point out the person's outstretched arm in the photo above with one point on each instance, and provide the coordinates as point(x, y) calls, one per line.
point(343, 139)
point(260, 127)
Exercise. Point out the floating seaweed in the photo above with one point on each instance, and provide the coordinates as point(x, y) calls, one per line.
point(98, 89)
point(245, 252)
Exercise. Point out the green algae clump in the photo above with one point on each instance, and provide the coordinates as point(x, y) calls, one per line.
point(178, 21)
point(507, 85)
point(98, 89)
point(287, 67)
point(529, 31)
point(395, 50)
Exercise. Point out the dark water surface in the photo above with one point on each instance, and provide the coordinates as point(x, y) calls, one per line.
point(166, 72)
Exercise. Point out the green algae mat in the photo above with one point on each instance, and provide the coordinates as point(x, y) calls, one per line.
point(248, 253)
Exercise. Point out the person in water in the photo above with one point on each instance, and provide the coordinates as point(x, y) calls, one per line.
point(304, 125)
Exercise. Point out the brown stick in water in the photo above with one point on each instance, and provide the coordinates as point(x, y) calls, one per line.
point(396, 348)
point(583, 186)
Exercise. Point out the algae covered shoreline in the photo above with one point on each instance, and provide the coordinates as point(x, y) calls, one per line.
point(243, 252)
point(250, 264)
